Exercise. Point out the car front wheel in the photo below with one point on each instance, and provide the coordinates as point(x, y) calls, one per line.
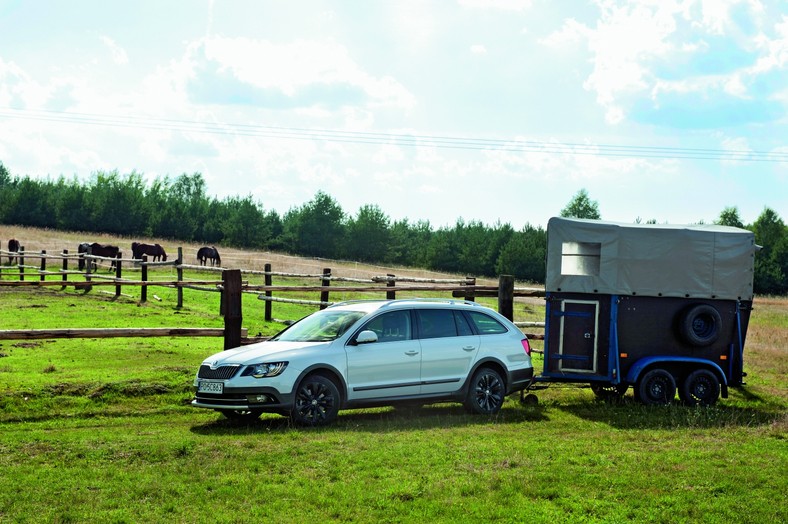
point(316, 403)
point(486, 392)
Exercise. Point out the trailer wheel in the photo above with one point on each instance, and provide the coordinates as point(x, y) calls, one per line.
point(700, 388)
point(609, 391)
point(656, 387)
point(700, 325)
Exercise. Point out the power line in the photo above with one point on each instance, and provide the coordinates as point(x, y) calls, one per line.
point(405, 140)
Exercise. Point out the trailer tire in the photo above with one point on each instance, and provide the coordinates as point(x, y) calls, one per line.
point(609, 391)
point(656, 387)
point(700, 388)
point(700, 325)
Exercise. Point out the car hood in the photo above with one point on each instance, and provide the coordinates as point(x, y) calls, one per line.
point(262, 352)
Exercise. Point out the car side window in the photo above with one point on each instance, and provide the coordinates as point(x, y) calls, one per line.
point(436, 323)
point(463, 327)
point(391, 326)
point(486, 325)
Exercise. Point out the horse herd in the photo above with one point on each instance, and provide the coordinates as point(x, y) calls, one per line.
point(155, 251)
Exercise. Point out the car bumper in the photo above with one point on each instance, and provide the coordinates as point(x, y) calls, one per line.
point(520, 379)
point(264, 399)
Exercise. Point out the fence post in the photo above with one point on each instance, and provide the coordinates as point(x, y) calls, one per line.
point(233, 314)
point(506, 296)
point(88, 267)
point(268, 282)
point(43, 264)
point(390, 282)
point(325, 283)
point(144, 278)
point(65, 269)
point(470, 282)
point(179, 270)
point(118, 272)
point(21, 263)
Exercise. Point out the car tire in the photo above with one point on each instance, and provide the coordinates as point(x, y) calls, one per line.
point(700, 325)
point(656, 387)
point(700, 388)
point(316, 402)
point(486, 392)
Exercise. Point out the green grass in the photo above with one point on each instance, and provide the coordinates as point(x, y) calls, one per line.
point(100, 430)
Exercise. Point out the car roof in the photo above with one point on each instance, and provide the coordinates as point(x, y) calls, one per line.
point(369, 306)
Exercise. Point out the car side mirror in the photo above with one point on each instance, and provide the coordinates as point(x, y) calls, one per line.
point(366, 337)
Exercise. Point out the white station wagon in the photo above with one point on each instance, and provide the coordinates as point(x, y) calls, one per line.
point(371, 353)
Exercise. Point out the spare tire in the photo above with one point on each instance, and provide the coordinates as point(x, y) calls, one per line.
point(700, 325)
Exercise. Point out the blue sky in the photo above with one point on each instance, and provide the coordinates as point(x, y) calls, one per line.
point(498, 110)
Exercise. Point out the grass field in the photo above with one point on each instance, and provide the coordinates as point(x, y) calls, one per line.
point(100, 430)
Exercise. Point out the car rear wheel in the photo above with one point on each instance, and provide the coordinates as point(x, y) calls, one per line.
point(486, 392)
point(316, 403)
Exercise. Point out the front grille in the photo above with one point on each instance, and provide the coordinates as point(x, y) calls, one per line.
point(221, 373)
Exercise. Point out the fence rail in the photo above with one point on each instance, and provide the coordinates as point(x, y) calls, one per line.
point(389, 284)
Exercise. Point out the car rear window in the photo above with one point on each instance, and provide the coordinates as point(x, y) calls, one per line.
point(486, 325)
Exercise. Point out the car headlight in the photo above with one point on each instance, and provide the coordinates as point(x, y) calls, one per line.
point(264, 370)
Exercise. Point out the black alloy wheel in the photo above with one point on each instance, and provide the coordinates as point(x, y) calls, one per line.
point(317, 402)
point(486, 393)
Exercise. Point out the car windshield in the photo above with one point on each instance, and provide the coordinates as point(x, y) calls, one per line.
point(323, 326)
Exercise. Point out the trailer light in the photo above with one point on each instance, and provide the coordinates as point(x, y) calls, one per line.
point(723, 357)
point(624, 355)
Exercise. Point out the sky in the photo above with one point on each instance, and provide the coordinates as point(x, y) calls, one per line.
point(490, 111)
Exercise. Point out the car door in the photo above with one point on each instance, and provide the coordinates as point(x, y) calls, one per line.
point(387, 368)
point(449, 348)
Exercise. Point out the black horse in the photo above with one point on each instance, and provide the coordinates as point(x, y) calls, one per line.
point(13, 247)
point(82, 250)
point(99, 250)
point(205, 253)
point(155, 251)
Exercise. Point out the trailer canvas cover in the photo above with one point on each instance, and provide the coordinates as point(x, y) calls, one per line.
point(693, 261)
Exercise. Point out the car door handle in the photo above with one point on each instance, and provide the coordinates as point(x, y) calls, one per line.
point(411, 353)
point(469, 348)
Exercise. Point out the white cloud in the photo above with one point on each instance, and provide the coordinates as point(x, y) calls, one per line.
point(478, 49)
point(119, 55)
point(504, 5)
point(776, 49)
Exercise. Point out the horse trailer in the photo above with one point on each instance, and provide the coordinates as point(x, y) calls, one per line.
point(660, 308)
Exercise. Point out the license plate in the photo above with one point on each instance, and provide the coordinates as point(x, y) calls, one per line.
point(210, 387)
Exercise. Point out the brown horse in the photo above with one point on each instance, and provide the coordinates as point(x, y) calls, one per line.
point(13, 247)
point(205, 253)
point(155, 251)
point(102, 250)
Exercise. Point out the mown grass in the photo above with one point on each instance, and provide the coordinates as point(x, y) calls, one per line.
point(100, 430)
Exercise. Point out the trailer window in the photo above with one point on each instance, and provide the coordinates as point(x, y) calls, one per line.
point(580, 258)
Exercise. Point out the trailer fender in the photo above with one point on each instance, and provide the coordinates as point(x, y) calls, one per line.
point(637, 368)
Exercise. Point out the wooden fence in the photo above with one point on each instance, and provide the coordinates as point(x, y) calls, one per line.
point(231, 284)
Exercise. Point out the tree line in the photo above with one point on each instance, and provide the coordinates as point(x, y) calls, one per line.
point(179, 209)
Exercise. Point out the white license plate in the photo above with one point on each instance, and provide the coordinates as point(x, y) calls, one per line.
point(210, 387)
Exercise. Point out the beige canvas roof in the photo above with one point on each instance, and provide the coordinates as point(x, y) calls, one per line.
point(700, 261)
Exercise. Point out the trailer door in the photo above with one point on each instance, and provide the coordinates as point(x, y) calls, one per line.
point(578, 339)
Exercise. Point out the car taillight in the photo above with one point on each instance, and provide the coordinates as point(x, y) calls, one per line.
point(526, 346)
